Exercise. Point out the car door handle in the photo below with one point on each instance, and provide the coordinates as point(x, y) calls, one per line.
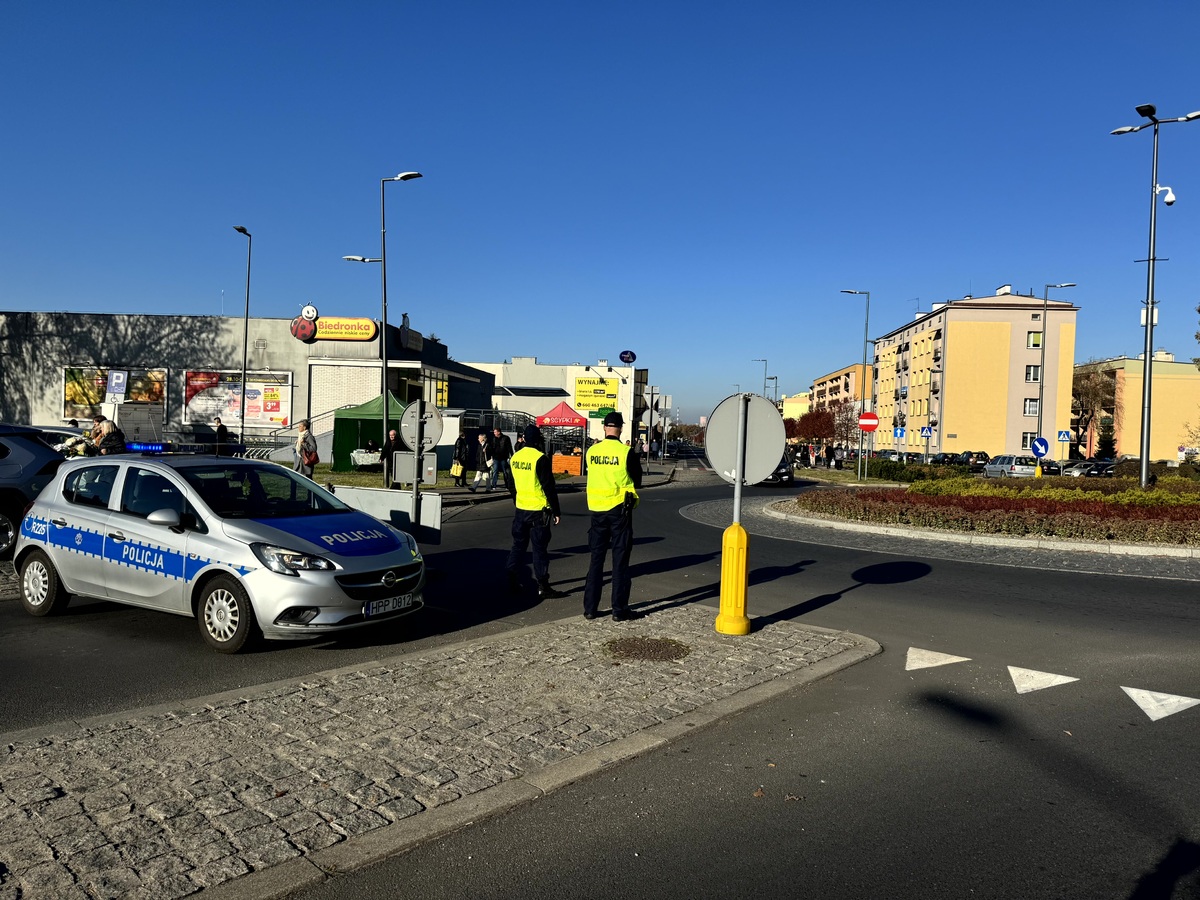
point(61, 523)
point(116, 535)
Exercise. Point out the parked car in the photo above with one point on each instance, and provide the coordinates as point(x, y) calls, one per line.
point(975, 460)
point(1051, 468)
point(944, 459)
point(1100, 470)
point(1010, 466)
point(1077, 469)
point(784, 473)
point(247, 547)
point(27, 464)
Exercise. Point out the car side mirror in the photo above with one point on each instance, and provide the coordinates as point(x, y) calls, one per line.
point(168, 518)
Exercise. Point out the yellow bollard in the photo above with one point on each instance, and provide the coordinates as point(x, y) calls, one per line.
point(734, 580)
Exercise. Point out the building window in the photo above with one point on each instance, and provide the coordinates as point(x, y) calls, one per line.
point(1027, 439)
point(1033, 374)
point(1033, 340)
point(1031, 406)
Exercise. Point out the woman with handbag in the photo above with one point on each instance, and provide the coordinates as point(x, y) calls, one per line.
point(305, 450)
point(462, 455)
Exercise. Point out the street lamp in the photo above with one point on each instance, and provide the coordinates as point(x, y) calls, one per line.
point(775, 378)
point(764, 362)
point(241, 229)
point(1042, 365)
point(383, 333)
point(1148, 111)
point(868, 398)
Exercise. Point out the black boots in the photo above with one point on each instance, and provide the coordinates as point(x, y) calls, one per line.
point(546, 592)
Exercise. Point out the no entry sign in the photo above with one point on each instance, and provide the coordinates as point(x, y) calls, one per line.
point(868, 421)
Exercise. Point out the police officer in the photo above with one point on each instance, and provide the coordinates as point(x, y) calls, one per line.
point(536, 497)
point(613, 478)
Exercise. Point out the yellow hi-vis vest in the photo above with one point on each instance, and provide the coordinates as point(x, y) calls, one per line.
point(530, 495)
point(608, 480)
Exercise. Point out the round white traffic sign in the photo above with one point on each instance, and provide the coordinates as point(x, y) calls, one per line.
point(765, 438)
point(431, 427)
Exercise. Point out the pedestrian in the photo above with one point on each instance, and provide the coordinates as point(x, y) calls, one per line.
point(305, 450)
point(110, 438)
point(804, 460)
point(222, 437)
point(387, 455)
point(536, 499)
point(462, 456)
point(73, 423)
point(613, 479)
point(829, 456)
point(838, 455)
point(483, 461)
point(502, 451)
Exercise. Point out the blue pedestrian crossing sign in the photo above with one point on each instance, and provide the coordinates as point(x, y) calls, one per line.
point(1040, 447)
point(926, 431)
point(898, 432)
point(1064, 437)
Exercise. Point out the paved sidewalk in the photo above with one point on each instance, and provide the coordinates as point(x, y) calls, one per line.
point(257, 793)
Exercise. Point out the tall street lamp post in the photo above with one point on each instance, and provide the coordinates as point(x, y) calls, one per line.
point(1148, 111)
point(866, 399)
point(764, 362)
point(241, 229)
point(1042, 365)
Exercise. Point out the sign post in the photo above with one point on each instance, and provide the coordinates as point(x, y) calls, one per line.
point(1064, 437)
point(1040, 448)
point(744, 441)
point(927, 433)
point(867, 422)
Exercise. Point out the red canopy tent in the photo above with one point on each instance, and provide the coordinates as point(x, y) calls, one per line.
point(562, 416)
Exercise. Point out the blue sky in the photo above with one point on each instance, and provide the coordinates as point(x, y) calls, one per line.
point(694, 182)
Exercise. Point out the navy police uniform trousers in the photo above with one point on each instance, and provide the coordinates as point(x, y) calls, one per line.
point(614, 528)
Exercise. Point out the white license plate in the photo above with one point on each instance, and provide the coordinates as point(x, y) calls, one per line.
point(390, 604)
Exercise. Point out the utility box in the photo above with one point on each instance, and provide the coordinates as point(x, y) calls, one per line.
point(141, 422)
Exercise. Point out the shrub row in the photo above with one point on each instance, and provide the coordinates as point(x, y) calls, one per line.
point(1094, 519)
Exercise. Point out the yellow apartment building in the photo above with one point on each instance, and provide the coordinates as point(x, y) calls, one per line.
point(796, 405)
point(1174, 406)
point(844, 384)
point(969, 375)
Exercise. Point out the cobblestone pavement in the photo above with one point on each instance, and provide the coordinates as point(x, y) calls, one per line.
point(166, 802)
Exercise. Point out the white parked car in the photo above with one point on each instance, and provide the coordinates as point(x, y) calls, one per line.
point(247, 547)
point(1010, 466)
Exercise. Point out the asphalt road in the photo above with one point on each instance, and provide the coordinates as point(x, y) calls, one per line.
point(881, 781)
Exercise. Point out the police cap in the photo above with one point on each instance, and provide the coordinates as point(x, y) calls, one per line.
point(614, 420)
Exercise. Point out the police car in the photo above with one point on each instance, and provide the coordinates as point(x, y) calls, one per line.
point(247, 547)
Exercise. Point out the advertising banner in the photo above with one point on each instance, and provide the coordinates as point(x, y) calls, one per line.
point(211, 394)
point(595, 393)
point(85, 388)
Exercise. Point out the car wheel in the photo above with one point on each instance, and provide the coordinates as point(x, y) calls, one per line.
point(9, 520)
point(42, 593)
point(225, 616)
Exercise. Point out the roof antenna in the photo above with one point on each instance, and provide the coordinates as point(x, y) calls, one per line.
point(916, 302)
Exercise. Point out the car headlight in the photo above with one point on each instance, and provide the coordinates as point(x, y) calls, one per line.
point(409, 542)
point(289, 562)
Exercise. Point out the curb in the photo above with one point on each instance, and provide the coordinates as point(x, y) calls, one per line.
point(985, 540)
point(280, 881)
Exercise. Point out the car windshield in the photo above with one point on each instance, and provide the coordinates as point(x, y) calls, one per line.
point(259, 492)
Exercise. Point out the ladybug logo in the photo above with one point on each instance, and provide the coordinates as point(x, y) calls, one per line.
point(304, 329)
point(309, 312)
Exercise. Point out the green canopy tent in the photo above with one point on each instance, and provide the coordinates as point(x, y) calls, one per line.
point(355, 425)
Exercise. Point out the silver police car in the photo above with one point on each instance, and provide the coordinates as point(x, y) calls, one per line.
point(247, 547)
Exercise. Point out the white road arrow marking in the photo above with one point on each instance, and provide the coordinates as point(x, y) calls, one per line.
point(1159, 706)
point(1026, 680)
point(927, 659)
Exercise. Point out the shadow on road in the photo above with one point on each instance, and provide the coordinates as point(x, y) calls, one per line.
point(1124, 801)
point(895, 572)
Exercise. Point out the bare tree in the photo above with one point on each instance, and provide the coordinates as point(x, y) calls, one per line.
point(1093, 397)
point(845, 421)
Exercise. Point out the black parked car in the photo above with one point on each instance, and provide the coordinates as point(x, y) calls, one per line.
point(27, 464)
point(784, 472)
point(975, 460)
